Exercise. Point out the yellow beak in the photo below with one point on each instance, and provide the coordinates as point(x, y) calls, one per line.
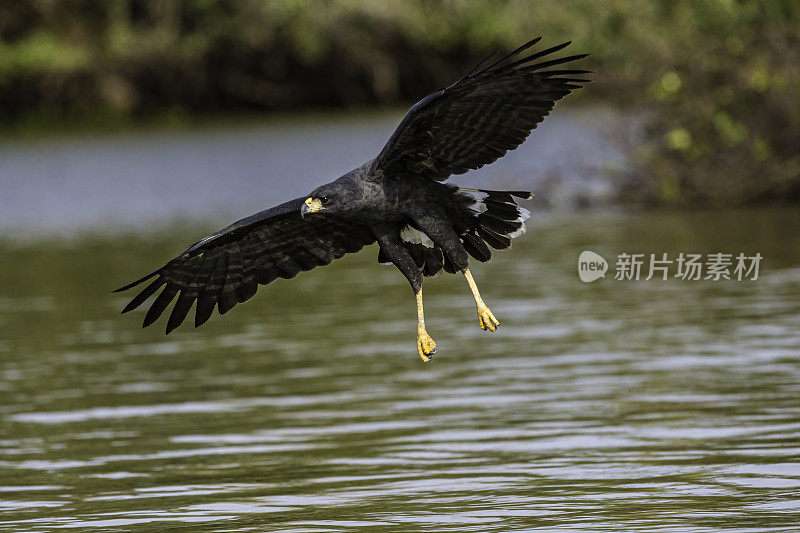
point(311, 205)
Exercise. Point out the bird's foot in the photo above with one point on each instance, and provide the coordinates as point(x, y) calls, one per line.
point(486, 319)
point(425, 346)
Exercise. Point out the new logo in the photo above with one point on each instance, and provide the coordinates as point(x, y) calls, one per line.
point(591, 266)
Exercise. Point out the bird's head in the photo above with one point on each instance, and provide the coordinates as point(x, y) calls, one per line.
point(331, 198)
point(314, 204)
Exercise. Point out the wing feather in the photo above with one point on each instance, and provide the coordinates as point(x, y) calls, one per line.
point(479, 118)
point(210, 293)
point(249, 284)
point(148, 291)
point(225, 268)
point(233, 278)
point(161, 302)
point(189, 294)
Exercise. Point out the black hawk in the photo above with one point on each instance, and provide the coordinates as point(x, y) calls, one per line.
point(398, 200)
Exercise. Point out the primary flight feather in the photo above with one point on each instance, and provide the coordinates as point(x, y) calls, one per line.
point(397, 200)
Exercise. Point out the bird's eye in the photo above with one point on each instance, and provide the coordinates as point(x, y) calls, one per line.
point(325, 200)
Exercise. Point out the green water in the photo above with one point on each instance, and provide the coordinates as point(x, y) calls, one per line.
point(612, 406)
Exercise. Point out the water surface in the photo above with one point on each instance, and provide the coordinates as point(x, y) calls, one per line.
point(612, 406)
point(650, 406)
point(146, 178)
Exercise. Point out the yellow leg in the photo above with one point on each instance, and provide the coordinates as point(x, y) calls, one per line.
point(425, 345)
point(486, 319)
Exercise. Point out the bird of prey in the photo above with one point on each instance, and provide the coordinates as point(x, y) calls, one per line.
point(398, 200)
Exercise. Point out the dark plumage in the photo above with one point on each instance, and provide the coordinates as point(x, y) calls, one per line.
point(397, 200)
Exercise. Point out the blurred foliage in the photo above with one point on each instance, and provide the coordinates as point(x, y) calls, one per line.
point(718, 78)
point(721, 85)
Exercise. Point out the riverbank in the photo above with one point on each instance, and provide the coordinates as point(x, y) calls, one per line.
point(718, 79)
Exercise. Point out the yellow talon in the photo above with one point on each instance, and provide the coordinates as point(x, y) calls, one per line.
point(486, 319)
point(426, 347)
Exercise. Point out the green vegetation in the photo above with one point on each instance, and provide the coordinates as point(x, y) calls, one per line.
point(717, 80)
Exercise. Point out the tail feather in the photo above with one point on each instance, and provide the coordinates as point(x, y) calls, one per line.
point(434, 261)
point(417, 254)
point(483, 219)
point(476, 247)
point(499, 225)
point(499, 195)
point(496, 220)
point(448, 265)
point(495, 240)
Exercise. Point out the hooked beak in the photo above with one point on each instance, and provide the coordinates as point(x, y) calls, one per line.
point(311, 205)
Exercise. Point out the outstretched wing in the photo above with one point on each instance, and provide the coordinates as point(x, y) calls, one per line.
point(476, 120)
point(226, 267)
